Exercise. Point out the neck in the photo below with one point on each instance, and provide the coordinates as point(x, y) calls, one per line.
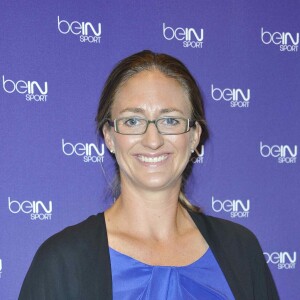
point(156, 215)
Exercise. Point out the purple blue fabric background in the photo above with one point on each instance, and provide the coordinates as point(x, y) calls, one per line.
point(248, 171)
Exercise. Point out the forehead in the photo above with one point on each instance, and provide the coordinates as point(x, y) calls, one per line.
point(151, 92)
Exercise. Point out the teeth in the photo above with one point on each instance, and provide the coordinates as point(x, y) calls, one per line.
point(152, 159)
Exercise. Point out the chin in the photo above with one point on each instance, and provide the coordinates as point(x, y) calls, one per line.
point(157, 183)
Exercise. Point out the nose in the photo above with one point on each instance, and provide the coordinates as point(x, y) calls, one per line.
point(152, 138)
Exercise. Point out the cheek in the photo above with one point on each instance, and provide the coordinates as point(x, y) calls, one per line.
point(182, 140)
point(182, 143)
point(123, 143)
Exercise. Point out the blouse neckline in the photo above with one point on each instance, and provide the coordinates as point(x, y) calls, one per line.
point(202, 257)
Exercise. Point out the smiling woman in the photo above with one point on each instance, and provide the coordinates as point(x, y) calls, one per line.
point(152, 243)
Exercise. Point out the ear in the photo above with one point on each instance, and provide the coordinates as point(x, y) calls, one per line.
point(196, 135)
point(108, 137)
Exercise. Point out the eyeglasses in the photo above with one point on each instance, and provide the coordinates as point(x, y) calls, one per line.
point(164, 125)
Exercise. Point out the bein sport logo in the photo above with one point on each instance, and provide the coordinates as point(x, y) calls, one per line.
point(86, 30)
point(283, 260)
point(236, 97)
point(188, 36)
point(284, 40)
point(33, 90)
point(236, 208)
point(199, 158)
point(283, 153)
point(37, 209)
point(89, 151)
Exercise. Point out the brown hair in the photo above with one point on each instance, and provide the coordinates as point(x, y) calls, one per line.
point(171, 67)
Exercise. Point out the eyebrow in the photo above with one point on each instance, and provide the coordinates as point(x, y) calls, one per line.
point(141, 110)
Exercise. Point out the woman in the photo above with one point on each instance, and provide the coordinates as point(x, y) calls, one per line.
point(152, 243)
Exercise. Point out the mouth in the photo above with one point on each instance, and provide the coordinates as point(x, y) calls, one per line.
point(155, 159)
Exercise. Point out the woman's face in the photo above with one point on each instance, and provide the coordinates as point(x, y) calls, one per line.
point(151, 161)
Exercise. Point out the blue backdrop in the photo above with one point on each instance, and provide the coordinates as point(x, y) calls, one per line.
point(55, 57)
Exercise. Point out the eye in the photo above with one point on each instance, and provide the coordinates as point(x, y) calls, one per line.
point(132, 122)
point(169, 121)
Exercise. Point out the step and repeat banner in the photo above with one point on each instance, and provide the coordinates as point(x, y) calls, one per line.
point(55, 171)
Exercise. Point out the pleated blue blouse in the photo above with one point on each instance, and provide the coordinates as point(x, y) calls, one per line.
point(134, 280)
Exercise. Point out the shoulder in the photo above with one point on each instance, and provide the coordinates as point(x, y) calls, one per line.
point(68, 262)
point(72, 250)
point(226, 226)
point(74, 239)
point(240, 256)
point(85, 229)
point(230, 234)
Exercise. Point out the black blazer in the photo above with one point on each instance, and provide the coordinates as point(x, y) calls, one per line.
point(75, 263)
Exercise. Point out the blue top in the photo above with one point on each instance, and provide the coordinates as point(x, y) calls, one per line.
point(203, 279)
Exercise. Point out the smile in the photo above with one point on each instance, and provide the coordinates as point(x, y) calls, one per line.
point(152, 159)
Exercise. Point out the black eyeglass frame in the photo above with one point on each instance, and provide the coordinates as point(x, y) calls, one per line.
point(189, 124)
